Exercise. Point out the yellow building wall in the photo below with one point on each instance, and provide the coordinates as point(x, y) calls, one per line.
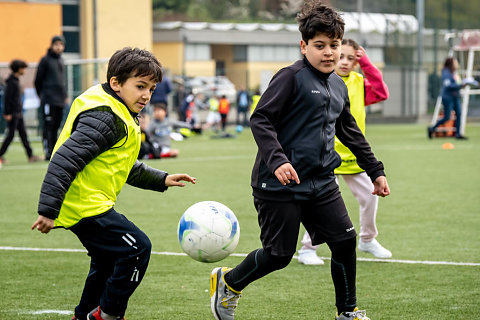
point(170, 55)
point(86, 34)
point(200, 68)
point(254, 70)
point(238, 74)
point(118, 24)
point(26, 29)
point(126, 23)
point(247, 75)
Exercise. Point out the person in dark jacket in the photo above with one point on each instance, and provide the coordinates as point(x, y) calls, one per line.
point(95, 155)
point(293, 180)
point(451, 85)
point(13, 111)
point(50, 86)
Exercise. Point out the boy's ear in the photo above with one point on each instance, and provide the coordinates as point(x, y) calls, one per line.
point(303, 46)
point(114, 84)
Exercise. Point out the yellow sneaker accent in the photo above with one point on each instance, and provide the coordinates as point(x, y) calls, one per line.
point(354, 315)
point(223, 298)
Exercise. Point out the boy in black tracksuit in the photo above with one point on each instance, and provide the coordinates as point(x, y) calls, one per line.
point(294, 125)
point(13, 112)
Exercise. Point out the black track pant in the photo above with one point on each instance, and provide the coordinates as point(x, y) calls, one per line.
point(16, 123)
point(52, 118)
point(119, 253)
point(259, 263)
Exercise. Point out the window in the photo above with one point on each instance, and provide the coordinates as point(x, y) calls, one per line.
point(240, 53)
point(71, 27)
point(273, 53)
point(197, 52)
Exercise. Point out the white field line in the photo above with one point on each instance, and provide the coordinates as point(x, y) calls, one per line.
point(165, 253)
point(49, 312)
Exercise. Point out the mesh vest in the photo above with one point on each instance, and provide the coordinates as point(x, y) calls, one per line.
point(94, 190)
point(356, 94)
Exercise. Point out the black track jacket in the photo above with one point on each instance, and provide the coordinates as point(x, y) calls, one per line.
point(296, 121)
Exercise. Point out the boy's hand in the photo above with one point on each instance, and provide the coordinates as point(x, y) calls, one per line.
point(43, 224)
point(381, 188)
point(173, 180)
point(285, 173)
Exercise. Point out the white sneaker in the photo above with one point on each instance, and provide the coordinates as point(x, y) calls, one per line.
point(374, 248)
point(355, 315)
point(309, 257)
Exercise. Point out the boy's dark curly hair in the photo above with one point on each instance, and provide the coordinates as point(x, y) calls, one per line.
point(315, 17)
point(16, 65)
point(133, 62)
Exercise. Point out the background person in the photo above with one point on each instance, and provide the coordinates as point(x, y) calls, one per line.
point(243, 104)
point(451, 85)
point(213, 116)
point(362, 91)
point(13, 111)
point(255, 98)
point(223, 109)
point(50, 86)
point(159, 130)
point(162, 90)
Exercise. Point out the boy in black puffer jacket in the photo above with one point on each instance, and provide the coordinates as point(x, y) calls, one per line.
point(95, 155)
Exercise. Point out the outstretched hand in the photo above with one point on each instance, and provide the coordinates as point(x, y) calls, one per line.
point(381, 188)
point(173, 180)
point(43, 224)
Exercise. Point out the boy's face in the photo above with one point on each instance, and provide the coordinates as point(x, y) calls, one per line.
point(135, 92)
point(21, 71)
point(159, 113)
point(347, 61)
point(322, 52)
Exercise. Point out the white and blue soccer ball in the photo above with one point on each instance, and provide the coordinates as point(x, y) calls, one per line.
point(208, 231)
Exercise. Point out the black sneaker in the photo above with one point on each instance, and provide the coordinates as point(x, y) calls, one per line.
point(430, 132)
point(461, 137)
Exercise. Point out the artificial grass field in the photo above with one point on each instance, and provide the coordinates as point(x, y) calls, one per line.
point(433, 214)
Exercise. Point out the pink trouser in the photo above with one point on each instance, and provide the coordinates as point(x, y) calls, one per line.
point(362, 188)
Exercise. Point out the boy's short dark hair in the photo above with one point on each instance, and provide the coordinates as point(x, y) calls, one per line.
point(352, 43)
point(315, 17)
point(133, 62)
point(160, 105)
point(16, 65)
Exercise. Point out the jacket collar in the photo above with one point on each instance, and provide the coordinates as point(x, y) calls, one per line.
point(110, 91)
point(52, 54)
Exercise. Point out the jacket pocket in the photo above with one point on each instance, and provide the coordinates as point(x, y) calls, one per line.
point(305, 161)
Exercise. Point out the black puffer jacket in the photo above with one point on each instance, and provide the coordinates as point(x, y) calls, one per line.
point(50, 79)
point(295, 122)
point(13, 97)
point(94, 132)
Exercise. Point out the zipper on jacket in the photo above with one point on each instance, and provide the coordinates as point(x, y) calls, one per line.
point(325, 123)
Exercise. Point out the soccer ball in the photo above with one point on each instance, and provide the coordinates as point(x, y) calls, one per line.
point(208, 231)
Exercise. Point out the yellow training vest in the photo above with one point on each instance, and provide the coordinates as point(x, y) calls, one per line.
point(94, 190)
point(356, 94)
